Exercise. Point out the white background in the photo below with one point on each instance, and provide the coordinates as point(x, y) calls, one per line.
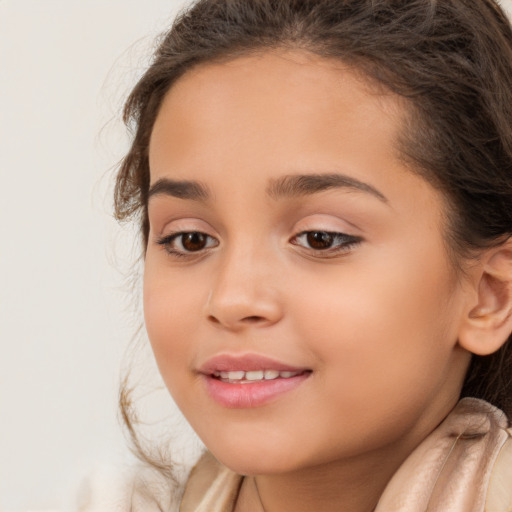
point(65, 68)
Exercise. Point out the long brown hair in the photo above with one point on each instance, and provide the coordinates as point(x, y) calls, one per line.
point(450, 59)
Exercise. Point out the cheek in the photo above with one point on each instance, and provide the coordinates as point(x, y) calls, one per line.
point(383, 328)
point(166, 304)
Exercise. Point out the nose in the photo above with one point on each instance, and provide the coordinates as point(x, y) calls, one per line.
point(244, 293)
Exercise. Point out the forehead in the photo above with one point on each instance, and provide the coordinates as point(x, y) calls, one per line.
point(277, 74)
point(270, 103)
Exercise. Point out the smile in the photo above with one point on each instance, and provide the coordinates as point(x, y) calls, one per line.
point(245, 381)
point(242, 377)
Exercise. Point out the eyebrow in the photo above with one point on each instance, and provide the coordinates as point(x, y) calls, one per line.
point(192, 190)
point(293, 185)
point(304, 184)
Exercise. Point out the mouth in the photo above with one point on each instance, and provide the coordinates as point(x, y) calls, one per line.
point(250, 380)
point(253, 376)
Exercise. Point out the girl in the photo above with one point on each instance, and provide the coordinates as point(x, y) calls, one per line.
point(324, 190)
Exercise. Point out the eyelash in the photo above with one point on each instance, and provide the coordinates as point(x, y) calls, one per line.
point(343, 243)
point(168, 241)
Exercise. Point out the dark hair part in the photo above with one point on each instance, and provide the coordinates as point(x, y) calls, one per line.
point(450, 59)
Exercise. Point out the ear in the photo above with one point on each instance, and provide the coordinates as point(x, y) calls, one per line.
point(488, 322)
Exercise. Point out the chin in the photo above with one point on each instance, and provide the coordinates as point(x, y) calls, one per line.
point(252, 459)
point(251, 467)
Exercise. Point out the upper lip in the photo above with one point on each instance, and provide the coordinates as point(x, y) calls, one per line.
point(244, 362)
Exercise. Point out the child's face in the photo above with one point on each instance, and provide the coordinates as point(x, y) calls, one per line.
point(348, 284)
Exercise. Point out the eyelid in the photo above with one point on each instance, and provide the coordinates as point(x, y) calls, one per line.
point(326, 222)
point(184, 225)
point(168, 235)
point(342, 237)
point(166, 242)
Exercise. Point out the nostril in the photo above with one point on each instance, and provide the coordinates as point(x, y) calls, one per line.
point(252, 319)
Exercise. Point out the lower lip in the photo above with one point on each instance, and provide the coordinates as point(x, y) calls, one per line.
point(251, 394)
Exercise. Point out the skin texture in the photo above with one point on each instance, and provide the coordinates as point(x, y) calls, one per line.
point(377, 322)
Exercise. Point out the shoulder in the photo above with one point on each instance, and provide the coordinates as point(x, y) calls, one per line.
point(464, 465)
point(136, 488)
point(499, 494)
point(211, 487)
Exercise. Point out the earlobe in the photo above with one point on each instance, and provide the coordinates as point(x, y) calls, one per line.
point(488, 323)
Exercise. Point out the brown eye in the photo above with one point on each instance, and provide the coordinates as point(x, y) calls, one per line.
point(325, 243)
point(187, 242)
point(194, 241)
point(319, 239)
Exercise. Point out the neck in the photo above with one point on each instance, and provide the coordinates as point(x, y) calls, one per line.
point(354, 485)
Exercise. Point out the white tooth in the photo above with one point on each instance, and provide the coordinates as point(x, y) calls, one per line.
point(287, 375)
point(224, 375)
point(235, 375)
point(216, 374)
point(271, 374)
point(255, 375)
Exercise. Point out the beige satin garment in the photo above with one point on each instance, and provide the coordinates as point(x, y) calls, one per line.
point(465, 465)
